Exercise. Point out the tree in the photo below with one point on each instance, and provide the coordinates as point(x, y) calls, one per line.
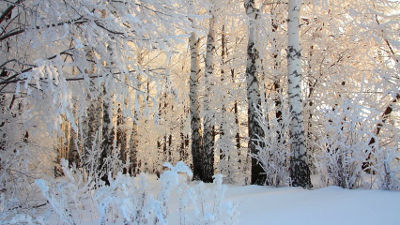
point(209, 119)
point(195, 123)
point(299, 168)
point(253, 93)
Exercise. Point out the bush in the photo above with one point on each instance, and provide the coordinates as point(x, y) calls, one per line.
point(137, 200)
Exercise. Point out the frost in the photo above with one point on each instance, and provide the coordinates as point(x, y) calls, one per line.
point(135, 200)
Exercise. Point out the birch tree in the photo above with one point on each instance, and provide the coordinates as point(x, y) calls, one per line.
point(299, 169)
point(253, 93)
point(209, 122)
point(195, 123)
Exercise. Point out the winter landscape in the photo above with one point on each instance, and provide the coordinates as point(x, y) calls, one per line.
point(195, 112)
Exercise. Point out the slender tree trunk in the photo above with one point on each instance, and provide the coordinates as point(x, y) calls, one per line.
point(121, 138)
point(165, 142)
point(3, 133)
point(74, 153)
point(134, 164)
point(366, 166)
point(133, 147)
point(276, 72)
point(209, 123)
point(107, 138)
point(310, 103)
point(91, 129)
point(195, 124)
point(170, 159)
point(227, 165)
point(62, 147)
point(223, 108)
point(253, 94)
point(299, 169)
point(237, 127)
point(183, 154)
point(162, 140)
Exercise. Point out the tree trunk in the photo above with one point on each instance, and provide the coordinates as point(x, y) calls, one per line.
point(237, 128)
point(209, 123)
point(310, 103)
point(121, 138)
point(253, 94)
point(91, 130)
point(183, 154)
point(223, 108)
point(73, 156)
point(366, 165)
point(299, 169)
point(195, 125)
point(133, 147)
point(107, 138)
point(276, 72)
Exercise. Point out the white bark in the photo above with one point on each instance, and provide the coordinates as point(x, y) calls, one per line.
point(209, 123)
point(253, 94)
point(300, 172)
point(195, 105)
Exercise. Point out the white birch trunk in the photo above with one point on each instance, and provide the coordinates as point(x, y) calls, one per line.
point(209, 123)
point(253, 94)
point(195, 106)
point(299, 170)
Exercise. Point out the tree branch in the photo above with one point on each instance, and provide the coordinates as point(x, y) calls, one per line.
point(7, 12)
point(79, 20)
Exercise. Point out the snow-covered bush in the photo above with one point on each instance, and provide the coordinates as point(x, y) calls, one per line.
point(137, 200)
point(127, 201)
point(387, 168)
point(273, 149)
point(24, 157)
point(203, 204)
point(343, 145)
point(71, 196)
point(384, 158)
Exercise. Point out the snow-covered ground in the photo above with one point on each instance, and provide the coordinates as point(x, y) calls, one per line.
point(326, 206)
point(255, 205)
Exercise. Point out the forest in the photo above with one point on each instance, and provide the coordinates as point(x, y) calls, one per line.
point(149, 111)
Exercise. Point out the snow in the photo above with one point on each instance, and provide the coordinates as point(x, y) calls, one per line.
point(331, 205)
point(172, 199)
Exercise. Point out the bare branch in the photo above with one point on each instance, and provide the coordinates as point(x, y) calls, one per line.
point(7, 12)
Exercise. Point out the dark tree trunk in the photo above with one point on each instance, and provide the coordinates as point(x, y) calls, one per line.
point(195, 107)
point(91, 127)
point(223, 109)
point(121, 139)
point(184, 139)
point(107, 139)
point(73, 156)
point(276, 72)
point(366, 166)
point(237, 125)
